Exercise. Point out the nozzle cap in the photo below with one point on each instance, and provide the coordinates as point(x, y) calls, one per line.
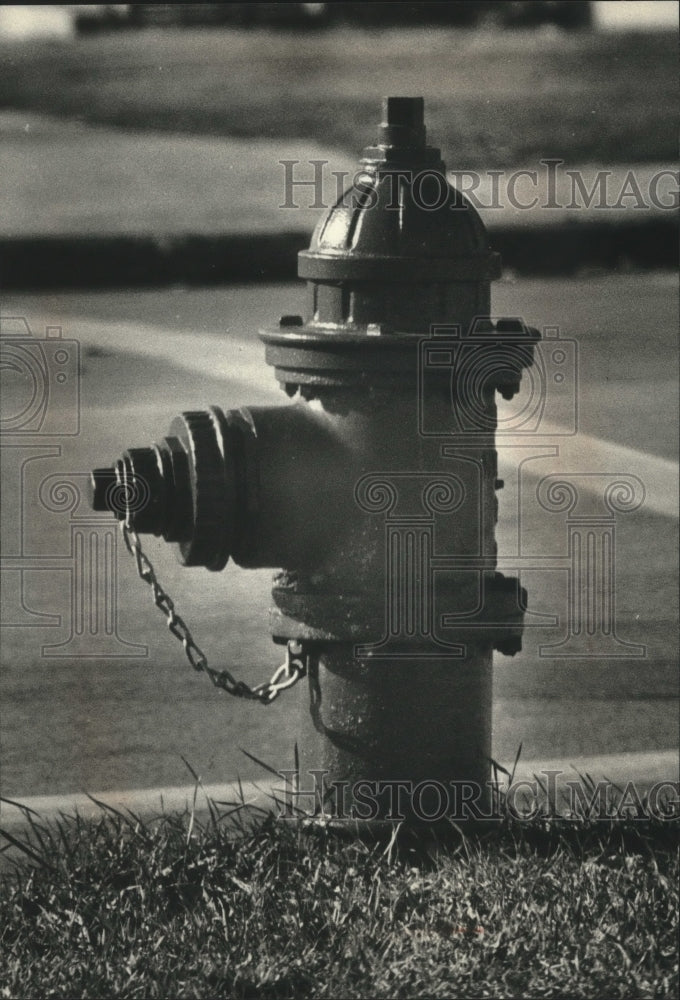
point(101, 483)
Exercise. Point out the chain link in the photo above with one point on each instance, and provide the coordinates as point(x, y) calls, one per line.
point(285, 676)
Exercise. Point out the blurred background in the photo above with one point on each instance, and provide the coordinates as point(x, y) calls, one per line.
point(138, 135)
point(505, 82)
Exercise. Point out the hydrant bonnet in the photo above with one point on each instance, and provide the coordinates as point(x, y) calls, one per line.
point(401, 251)
point(401, 221)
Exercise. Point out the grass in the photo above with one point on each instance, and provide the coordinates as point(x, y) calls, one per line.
point(248, 906)
point(493, 99)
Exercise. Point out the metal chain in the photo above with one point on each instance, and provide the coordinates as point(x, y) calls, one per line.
point(289, 673)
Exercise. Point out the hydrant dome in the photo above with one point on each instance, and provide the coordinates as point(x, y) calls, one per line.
point(400, 219)
point(385, 213)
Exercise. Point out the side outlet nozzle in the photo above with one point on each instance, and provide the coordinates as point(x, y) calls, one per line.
point(183, 489)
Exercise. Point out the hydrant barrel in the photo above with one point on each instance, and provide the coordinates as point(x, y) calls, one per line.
point(405, 614)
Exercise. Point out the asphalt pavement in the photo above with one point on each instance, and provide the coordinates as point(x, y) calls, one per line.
point(119, 709)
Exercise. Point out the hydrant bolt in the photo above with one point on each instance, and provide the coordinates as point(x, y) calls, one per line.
point(403, 121)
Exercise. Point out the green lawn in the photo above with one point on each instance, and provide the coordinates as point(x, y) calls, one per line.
point(176, 909)
point(493, 99)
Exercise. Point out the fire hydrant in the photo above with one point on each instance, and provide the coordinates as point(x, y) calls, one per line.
point(373, 494)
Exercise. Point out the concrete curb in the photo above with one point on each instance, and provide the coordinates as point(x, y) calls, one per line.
point(76, 261)
point(145, 803)
point(133, 261)
point(644, 770)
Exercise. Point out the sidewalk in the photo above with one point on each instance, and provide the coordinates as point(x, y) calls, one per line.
point(98, 207)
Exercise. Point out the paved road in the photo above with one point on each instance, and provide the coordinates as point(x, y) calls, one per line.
point(124, 718)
